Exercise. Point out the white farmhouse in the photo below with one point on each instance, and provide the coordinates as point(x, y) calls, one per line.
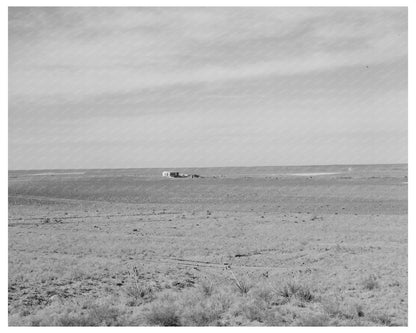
point(170, 174)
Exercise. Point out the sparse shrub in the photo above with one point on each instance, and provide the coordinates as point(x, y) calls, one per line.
point(266, 294)
point(138, 290)
point(223, 299)
point(242, 285)
point(25, 313)
point(34, 322)
point(304, 294)
point(382, 319)
point(77, 274)
point(204, 312)
point(165, 311)
point(274, 318)
point(314, 320)
point(207, 288)
point(301, 292)
point(255, 310)
point(73, 320)
point(138, 293)
point(359, 310)
point(293, 288)
point(352, 311)
point(285, 292)
point(104, 315)
point(97, 315)
point(289, 290)
point(163, 315)
point(199, 309)
point(334, 308)
point(331, 306)
point(200, 316)
point(371, 282)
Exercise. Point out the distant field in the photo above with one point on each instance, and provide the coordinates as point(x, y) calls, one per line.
point(323, 245)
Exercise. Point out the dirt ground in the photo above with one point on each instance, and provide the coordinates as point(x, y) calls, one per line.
point(81, 237)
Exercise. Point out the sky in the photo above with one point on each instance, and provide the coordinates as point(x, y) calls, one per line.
point(187, 87)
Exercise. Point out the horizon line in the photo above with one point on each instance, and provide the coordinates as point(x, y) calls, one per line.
point(211, 167)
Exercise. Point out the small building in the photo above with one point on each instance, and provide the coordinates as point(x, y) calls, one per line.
point(175, 174)
point(170, 174)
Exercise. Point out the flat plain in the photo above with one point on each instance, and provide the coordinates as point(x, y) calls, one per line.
point(274, 246)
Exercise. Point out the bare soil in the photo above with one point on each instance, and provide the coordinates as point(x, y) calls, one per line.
point(82, 239)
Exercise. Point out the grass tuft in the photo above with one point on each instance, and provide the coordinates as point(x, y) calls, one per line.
point(302, 293)
point(138, 290)
point(242, 285)
point(207, 288)
point(371, 283)
point(382, 319)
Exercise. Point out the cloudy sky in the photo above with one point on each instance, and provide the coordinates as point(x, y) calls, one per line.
point(160, 87)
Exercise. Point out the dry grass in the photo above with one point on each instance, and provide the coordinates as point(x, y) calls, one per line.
point(204, 305)
point(96, 316)
point(371, 282)
point(207, 287)
point(78, 269)
point(242, 284)
point(163, 314)
point(303, 293)
point(138, 290)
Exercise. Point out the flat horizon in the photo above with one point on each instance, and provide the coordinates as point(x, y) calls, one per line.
point(215, 167)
